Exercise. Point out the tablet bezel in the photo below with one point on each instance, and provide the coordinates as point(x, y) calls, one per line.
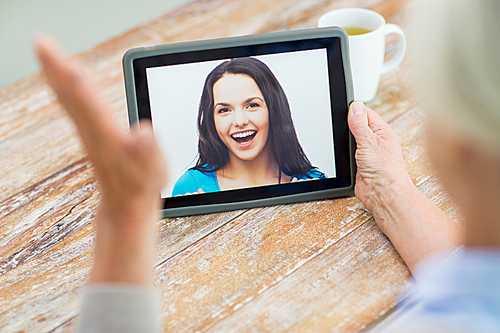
point(136, 61)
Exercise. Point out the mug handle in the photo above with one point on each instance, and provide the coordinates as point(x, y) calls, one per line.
point(398, 57)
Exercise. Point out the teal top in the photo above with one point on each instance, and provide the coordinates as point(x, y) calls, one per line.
point(193, 180)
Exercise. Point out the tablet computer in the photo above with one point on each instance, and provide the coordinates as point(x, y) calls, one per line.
point(247, 121)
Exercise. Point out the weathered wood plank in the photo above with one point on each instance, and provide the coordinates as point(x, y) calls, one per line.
point(433, 189)
point(395, 95)
point(201, 19)
point(248, 256)
point(40, 151)
point(61, 205)
point(67, 326)
point(411, 130)
point(43, 291)
point(343, 290)
point(340, 290)
point(46, 213)
point(177, 234)
point(333, 292)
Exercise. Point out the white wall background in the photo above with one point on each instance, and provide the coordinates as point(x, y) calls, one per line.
point(175, 93)
point(78, 24)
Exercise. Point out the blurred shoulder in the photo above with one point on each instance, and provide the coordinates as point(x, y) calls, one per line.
point(192, 180)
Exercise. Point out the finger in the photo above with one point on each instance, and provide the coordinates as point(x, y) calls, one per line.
point(358, 121)
point(375, 121)
point(200, 191)
point(145, 148)
point(77, 94)
point(141, 133)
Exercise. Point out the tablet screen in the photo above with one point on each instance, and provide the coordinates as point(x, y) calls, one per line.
point(248, 122)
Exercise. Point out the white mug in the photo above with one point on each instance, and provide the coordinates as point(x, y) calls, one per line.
point(367, 51)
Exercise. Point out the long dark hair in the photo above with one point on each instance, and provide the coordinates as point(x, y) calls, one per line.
point(213, 153)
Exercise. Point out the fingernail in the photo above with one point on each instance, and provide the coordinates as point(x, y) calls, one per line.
point(358, 108)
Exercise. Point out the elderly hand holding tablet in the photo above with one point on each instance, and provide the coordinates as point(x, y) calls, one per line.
point(244, 121)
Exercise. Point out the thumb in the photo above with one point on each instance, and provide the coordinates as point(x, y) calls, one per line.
point(358, 120)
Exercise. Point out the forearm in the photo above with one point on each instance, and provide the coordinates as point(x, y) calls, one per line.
point(415, 226)
point(125, 243)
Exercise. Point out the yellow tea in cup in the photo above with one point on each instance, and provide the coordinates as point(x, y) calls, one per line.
point(367, 31)
point(356, 31)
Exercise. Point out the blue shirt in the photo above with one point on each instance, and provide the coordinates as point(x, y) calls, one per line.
point(458, 294)
point(193, 180)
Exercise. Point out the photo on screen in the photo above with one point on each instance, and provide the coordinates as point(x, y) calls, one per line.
point(294, 132)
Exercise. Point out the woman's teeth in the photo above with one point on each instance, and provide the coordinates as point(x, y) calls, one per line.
point(242, 137)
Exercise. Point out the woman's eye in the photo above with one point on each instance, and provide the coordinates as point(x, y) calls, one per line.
point(222, 110)
point(253, 105)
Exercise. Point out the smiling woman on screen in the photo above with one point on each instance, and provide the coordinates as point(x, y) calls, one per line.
point(247, 137)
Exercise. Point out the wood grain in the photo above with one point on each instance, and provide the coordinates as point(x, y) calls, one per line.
point(42, 293)
point(314, 266)
point(247, 256)
point(45, 213)
point(32, 294)
point(327, 290)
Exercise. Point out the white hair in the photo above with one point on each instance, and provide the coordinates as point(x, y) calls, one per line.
point(457, 51)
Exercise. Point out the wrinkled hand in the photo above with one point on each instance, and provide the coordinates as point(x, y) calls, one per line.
point(378, 156)
point(415, 226)
point(130, 169)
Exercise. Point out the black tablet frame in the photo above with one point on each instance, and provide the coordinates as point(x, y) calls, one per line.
point(333, 39)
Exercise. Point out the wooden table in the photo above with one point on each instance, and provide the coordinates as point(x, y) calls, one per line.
point(320, 266)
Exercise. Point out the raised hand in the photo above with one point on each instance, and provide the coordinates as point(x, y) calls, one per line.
point(129, 168)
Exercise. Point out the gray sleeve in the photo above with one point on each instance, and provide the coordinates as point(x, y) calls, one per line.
point(120, 308)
